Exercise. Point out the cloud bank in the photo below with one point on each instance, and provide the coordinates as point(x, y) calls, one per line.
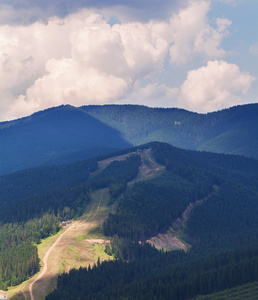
point(82, 59)
point(213, 85)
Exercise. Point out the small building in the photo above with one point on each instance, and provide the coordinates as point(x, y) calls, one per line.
point(65, 223)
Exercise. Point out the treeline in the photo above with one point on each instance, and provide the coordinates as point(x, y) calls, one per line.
point(220, 166)
point(33, 182)
point(66, 204)
point(110, 274)
point(17, 264)
point(126, 250)
point(32, 220)
point(150, 207)
point(18, 256)
point(223, 232)
point(173, 275)
point(184, 129)
point(39, 216)
point(117, 172)
point(233, 209)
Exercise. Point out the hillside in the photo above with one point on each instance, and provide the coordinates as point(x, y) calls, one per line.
point(221, 230)
point(205, 201)
point(56, 135)
point(66, 134)
point(231, 131)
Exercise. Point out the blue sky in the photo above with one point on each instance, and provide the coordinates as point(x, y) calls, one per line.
point(198, 55)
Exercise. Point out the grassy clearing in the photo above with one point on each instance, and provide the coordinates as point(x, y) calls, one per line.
point(80, 246)
point(72, 251)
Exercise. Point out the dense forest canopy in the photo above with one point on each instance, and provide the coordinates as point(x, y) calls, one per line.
point(54, 194)
point(66, 134)
point(222, 232)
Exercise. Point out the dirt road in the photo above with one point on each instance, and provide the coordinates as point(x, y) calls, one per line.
point(45, 259)
point(75, 246)
point(71, 248)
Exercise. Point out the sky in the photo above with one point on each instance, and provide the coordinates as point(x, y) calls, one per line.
point(200, 55)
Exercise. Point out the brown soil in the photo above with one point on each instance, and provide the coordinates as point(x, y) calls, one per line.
point(168, 241)
point(171, 239)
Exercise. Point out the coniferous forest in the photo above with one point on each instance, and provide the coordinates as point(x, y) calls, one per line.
point(222, 232)
point(39, 215)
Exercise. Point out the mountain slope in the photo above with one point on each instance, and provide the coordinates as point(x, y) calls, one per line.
point(54, 135)
point(222, 231)
point(231, 131)
point(66, 134)
point(149, 187)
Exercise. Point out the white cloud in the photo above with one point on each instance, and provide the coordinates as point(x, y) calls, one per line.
point(154, 95)
point(81, 59)
point(30, 11)
point(215, 86)
point(192, 35)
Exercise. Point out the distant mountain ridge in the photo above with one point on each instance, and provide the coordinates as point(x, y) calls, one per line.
point(55, 135)
point(230, 131)
point(65, 134)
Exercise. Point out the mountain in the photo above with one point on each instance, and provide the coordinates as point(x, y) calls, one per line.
point(206, 201)
point(55, 135)
point(66, 134)
point(220, 232)
point(231, 131)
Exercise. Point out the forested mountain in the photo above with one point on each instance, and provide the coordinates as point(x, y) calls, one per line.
point(66, 134)
point(222, 231)
point(33, 203)
point(56, 135)
point(231, 131)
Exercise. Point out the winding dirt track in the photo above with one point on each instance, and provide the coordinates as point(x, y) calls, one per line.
point(43, 271)
point(45, 259)
point(148, 171)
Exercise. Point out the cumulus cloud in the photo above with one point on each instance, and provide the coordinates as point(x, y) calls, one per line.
point(89, 62)
point(30, 11)
point(154, 95)
point(215, 86)
point(81, 59)
point(192, 35)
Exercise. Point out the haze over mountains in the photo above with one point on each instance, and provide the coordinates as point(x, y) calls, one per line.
point(65, 134)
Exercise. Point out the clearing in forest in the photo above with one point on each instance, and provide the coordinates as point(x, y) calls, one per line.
point(81, 243)
point(173, 239)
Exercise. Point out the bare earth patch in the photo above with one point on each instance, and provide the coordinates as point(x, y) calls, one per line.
point(97, 241)
point(168, 241)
